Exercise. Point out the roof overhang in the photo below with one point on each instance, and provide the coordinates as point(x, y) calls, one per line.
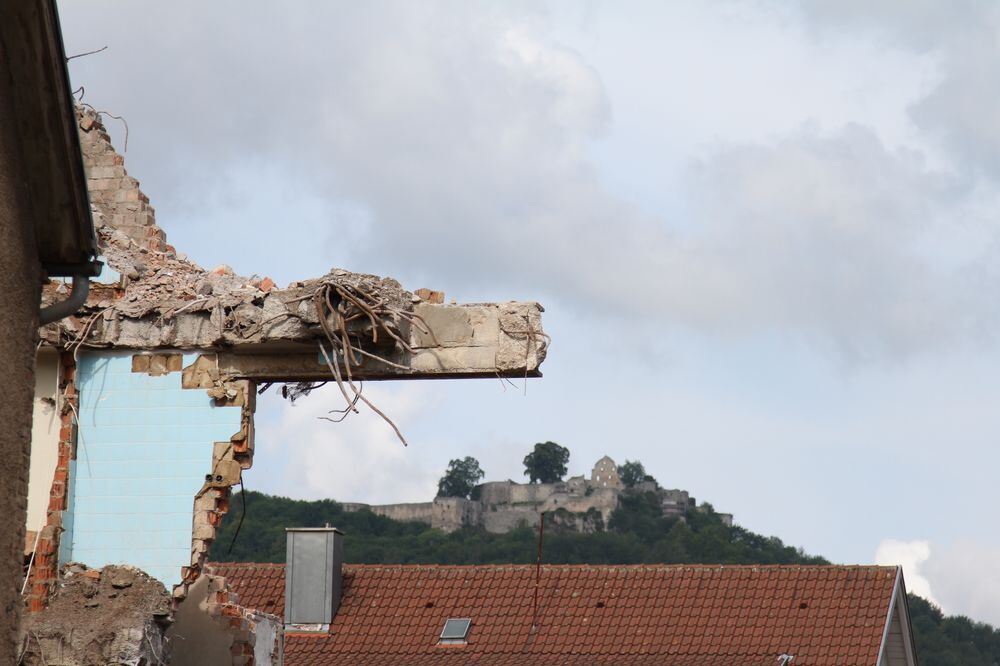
point(34, 63)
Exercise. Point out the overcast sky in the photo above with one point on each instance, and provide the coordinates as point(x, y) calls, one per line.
point(765, 235)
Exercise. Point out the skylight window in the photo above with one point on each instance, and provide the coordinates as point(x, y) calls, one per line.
point(455, 630)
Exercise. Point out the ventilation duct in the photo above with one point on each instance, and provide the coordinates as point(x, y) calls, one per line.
point(313, 563)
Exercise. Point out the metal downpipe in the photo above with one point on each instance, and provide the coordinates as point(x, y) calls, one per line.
point(62, 309)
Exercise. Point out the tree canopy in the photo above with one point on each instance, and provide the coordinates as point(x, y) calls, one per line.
point(632, 473)
point(460, 478)
point(546, 463)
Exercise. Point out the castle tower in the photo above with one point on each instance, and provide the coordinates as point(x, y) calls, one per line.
point(605, 474)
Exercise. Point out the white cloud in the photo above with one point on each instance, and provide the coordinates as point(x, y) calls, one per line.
point(911, 555)
point(962, 578)
point(966, 578)
point(961, 108)
point(451, 144)
point(358, 459)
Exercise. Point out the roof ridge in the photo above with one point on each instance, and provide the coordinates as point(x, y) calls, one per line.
point(517, 566)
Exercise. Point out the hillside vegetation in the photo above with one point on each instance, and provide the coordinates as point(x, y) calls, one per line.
point(637, 534)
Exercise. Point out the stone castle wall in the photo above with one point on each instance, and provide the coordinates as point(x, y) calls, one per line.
point(582, 504)
point(444, 513)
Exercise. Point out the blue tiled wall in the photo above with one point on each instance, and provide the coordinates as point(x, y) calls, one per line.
point(143, 449)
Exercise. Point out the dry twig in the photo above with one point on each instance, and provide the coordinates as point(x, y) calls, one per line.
point(87, 53)
point(346, 303)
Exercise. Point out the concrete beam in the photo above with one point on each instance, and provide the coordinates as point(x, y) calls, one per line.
point(153, 299)
point(483, 340)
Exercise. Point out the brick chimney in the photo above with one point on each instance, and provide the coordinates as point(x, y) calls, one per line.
point(313, 563)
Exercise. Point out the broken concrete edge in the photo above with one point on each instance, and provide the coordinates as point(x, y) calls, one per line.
point(210, 504)
point(463, 340)
point(229, 459)
point(211, 626)
point(157, 299)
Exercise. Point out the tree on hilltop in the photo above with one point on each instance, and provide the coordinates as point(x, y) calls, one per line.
point(632, 473)
point(460, 478)
point(546, 463)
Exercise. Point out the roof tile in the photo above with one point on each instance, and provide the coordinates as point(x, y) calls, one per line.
point(652, 614)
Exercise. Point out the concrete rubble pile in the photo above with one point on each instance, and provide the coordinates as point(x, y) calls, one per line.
point(117, 615)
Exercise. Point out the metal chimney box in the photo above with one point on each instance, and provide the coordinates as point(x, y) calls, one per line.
point(313, 564)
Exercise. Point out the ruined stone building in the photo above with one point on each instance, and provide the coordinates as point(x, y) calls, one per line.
point(578, 503)
point(144, 401)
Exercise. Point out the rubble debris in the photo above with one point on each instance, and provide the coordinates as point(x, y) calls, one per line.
point(117, 615)
point(162, 300)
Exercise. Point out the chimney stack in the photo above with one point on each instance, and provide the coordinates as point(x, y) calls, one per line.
point(313, 562)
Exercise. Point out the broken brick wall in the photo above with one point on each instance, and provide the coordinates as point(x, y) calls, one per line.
point(45, 562)
point(115, 497)
point(44, 441)
point(213, 628)
point(155, 457)
point(114, 193)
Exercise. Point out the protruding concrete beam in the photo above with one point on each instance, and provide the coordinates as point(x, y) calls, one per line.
point(153, 299)
point(483, 340)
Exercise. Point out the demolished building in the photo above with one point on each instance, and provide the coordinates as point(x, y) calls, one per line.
point(145, 398)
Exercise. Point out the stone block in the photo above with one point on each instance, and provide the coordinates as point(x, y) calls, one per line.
point(455, 325)
point(96, 184)
point(110, 172)
point(458, 359)
point(203, 373)
point(140, 363)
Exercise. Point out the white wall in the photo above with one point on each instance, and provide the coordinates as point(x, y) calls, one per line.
point(44, 438)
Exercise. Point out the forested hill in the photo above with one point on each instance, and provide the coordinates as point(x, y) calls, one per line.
point(637, 535)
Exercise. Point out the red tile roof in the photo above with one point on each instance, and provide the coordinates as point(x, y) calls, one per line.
point(660, 614)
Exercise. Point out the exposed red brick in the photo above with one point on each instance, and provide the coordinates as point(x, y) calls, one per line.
point(44, 568)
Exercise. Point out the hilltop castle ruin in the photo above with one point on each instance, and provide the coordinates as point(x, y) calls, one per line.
point(578, 503)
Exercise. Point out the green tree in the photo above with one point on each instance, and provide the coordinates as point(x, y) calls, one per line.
point(632, 473)
point(547, 463)
point(460, 478)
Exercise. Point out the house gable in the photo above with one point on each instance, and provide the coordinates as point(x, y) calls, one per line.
point(897, 643)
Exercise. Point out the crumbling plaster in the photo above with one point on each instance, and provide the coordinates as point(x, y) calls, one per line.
point(211, 627)
point(45, 426)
